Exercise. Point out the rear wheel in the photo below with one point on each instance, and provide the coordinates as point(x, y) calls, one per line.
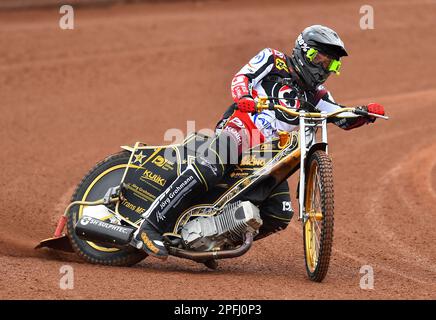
point(319, 206)
point(107, 173)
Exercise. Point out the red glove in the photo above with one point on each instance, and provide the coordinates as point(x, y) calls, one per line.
point(376, 108)
point(246, 104)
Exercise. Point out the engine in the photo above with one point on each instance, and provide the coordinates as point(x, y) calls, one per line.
point(225, 228)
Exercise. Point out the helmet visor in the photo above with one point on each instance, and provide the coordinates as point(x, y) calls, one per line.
point(328, 63)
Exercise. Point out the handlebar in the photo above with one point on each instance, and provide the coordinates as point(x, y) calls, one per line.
point(262, 104)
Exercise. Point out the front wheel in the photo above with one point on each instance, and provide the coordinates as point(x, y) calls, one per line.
point(319, 208)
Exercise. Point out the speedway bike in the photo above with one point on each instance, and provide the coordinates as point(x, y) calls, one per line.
point(107, 205)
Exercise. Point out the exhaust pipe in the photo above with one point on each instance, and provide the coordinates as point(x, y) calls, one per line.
point(91, 229)
point(214, 255)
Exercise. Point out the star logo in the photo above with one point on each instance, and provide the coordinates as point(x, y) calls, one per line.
point(138, 158)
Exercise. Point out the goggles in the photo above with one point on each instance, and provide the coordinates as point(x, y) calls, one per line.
point(329, 64)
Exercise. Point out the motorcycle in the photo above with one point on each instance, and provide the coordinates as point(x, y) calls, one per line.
point(107, 205)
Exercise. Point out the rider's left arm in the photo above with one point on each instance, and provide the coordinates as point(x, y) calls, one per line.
point(349, 120)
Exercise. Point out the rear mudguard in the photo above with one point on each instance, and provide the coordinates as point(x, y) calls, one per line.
point(317, 146)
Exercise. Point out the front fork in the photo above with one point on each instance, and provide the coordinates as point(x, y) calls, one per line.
point(304, 147)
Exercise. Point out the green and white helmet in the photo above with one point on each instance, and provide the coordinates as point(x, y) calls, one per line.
point(317, 54)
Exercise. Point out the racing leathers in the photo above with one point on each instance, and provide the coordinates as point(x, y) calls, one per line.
point(270, 73)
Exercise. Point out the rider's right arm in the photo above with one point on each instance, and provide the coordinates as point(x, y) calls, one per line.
point(250, 74)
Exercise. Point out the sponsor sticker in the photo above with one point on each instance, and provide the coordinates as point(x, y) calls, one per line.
point(138, 158)
point(235, 133)
point(85, 220)
point(264, 122)
point(252, 161)
point(279, 54)
point(148, 243)
point(281, 65)
point(287, 97)
point(163, 163)
point(238, 122)
point(89, 220)
point(237, 175)
point(287, 206)
point(154, 177)
point(304, 46)
point(171, 196)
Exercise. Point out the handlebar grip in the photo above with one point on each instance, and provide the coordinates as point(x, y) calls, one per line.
point(361, 112)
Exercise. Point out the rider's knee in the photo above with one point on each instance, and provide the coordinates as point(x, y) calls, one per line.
point(212, 163)
point(210, 171)
point(225, 147)
point(276, 216)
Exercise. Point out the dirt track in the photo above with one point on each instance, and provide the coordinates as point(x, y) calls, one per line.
point(127, 73)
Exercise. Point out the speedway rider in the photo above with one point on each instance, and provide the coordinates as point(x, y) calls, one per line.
point(316, 55)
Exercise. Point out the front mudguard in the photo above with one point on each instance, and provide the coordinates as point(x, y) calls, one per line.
point(317, 146)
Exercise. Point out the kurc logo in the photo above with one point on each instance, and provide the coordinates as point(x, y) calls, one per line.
point(153, 177)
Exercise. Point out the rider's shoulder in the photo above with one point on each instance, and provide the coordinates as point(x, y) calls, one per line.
point(277, 53)
point(267, 50)
point(267, 55)
point(262, 57)
point(272, 51)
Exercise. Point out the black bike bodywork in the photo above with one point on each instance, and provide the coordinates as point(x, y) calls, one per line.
point(145, 171)
point(150, 172)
